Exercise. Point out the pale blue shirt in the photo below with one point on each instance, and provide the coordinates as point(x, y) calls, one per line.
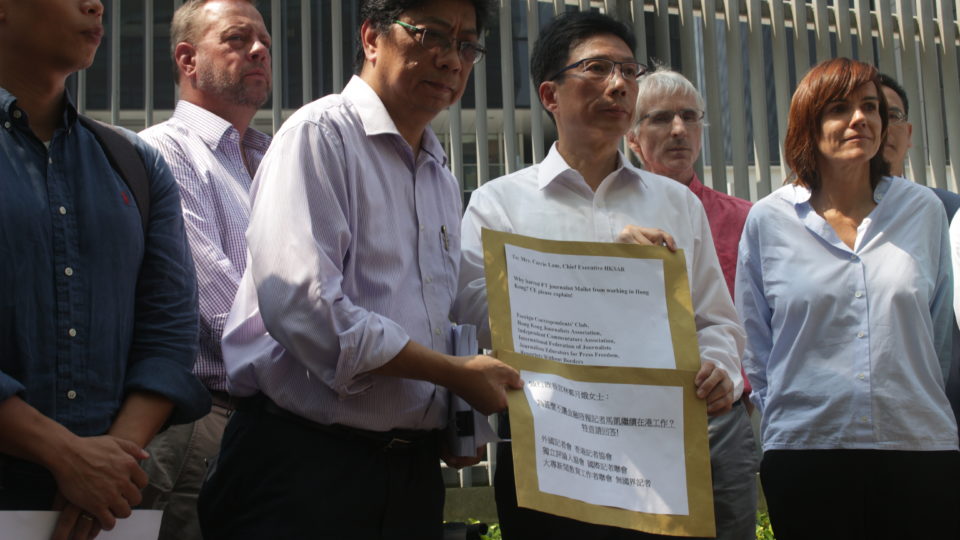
point(354, 249)
point(849, 348)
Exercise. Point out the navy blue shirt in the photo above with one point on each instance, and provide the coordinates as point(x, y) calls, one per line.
point(91, 309)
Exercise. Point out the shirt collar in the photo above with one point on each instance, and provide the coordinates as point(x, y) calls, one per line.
point(9, 112)
point(797, 194)
point(209, 127)
point(554, 167)
point(377, 121)
point(7, 101)
point(883, 186)
point(695, 184)
point(373, 113)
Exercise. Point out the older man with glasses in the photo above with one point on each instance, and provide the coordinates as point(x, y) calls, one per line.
point(354, 247)
point(584, 68)
point(666, 138)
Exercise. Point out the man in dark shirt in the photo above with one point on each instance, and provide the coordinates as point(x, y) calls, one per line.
point(98, 321)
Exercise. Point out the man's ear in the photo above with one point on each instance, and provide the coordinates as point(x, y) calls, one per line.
point(368, 40)
point(909, 135)
point(548, 96)
point(185, 55)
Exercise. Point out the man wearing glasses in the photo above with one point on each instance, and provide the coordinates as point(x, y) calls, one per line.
point(354, 249)
point(586, 74)
point(667, 138)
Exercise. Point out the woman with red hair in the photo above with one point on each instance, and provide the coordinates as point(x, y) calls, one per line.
point(844, 287)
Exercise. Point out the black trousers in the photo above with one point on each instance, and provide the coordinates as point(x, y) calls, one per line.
point(278, 477)
point(862, 494)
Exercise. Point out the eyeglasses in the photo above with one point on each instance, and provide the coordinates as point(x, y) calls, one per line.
point(434, 41)
point(896, 116)
point(599, 69)
point(665, 118)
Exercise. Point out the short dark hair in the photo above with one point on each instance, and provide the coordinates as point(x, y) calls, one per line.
point(891, 83)
point(828, 81)
point(382, 13)
point(551, 52)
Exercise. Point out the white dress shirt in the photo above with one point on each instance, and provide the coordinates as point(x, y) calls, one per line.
point(206, 156)
point(849, 348)
point(354, 250)
point(554, 202)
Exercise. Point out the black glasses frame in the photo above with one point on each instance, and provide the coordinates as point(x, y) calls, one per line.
point(641, 69)
point(464, 48)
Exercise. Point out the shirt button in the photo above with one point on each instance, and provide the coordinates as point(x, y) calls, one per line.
point(423, 227)
point(63, 210)
point(17, 114)
point(429, 280)
point(860, 334)
point(68, 271)
point(853, 257)
point(50, 161)
point(7, 124)
point(72, 394)
point(864, 419)
point(72, 332)
point(436, 331)
point(858, 294)
point(861, 376)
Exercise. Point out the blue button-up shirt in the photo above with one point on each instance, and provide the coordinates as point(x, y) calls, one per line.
point(90, 308)
point(849, 347)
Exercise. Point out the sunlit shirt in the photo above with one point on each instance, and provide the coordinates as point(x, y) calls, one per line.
point(206, 156)
point(553, 201)
point(354, 245)
point(849, 348)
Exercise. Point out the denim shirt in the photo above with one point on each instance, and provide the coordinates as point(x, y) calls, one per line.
point(90, 307)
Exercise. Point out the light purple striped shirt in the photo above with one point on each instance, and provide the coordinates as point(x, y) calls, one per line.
point(204, 153)
point(354, 246)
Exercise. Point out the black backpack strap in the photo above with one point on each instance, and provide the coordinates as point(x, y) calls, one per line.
point(124, 159)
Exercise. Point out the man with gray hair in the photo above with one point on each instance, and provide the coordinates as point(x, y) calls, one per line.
point(666, 137)
point(221, 53)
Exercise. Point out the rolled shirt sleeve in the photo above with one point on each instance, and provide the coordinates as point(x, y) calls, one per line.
point(164, 344)
point(299, 264)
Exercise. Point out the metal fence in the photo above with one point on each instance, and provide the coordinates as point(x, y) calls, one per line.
point(746, 56)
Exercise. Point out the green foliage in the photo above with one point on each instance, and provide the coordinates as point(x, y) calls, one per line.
point(493, 530)
point(493, 533)
point(764, 530)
